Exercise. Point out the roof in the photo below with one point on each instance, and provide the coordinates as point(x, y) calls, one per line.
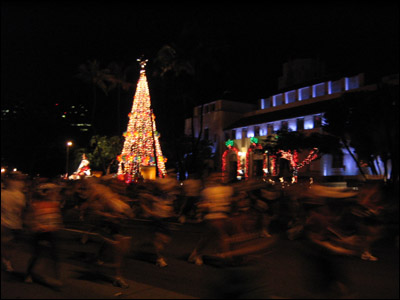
point(282, 114)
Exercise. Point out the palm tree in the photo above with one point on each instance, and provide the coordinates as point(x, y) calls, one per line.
point(186, 71)
point(369, 120)
point(118, 77)
point(93, 74)
point(177, 73)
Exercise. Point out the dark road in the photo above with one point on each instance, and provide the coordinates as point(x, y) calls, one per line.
point(284, 269)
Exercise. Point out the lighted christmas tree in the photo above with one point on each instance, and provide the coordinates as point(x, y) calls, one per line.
point(141, 146)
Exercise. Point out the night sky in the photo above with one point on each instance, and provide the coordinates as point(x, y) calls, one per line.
point(44, 42)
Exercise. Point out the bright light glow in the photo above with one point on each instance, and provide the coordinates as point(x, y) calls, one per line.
point(69, 143)
point(325, 166)
point(250, 132)
point(292, 124)
point(15, 170)
point(263, 130)
point(308, 122)
point(346, 83)
point(3, 170)
point(277, 126)
point(141, 145)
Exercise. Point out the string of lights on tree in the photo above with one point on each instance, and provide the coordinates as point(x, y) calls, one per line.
point(310, 157)
point(141, 146)
point(292, 157)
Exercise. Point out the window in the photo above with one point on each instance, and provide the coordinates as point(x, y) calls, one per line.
point(317, 121)
point(290, 96)
point(318, 89)
point(284, 125)
point(300, 124)
point(304, 93)
point(334, 86)
point(277, 126)
point(212, 107)
point(206, 133)
point(308, 122)
point(270, 129)
point(266, 103)
point(292, 124)
point(244, 133)
point(351, 83)
point(337, 161)
point(262, 103)
point(277, 100)
point(233, 134)
point(257, 131)
point(244, 136)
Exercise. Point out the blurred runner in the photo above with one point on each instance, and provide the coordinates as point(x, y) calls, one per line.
point(104, 211)
point(13, 203)
point(216, 200)
point(45, 223)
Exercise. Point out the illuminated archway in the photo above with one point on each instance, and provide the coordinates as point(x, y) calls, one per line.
point(253, 146)
point(230, 145)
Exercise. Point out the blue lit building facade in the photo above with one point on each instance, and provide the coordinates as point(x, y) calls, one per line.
point(296, 109)
point(301, 109)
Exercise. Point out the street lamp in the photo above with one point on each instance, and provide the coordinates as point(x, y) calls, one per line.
point(69, 144)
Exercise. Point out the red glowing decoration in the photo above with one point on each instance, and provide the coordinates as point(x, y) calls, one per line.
point(230, 146)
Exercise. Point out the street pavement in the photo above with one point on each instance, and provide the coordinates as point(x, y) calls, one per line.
point(283, 270)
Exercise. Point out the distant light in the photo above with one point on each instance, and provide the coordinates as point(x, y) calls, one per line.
point(3, 170)
point(69, 143)
point(15, 170)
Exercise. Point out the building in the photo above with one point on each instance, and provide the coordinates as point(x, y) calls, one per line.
point(295, 108)
point(212, 118)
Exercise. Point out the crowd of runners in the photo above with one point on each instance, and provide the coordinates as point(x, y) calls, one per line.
point(334, 220)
